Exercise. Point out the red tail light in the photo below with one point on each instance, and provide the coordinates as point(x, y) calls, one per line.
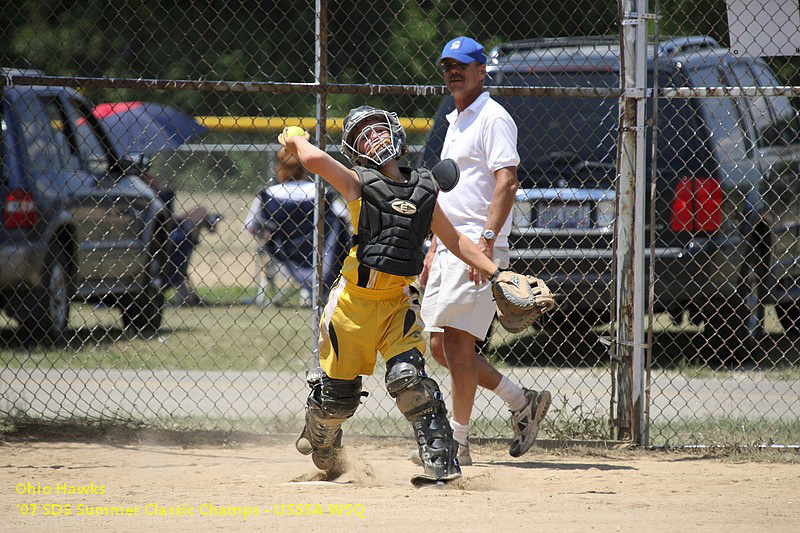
point(19, 210)
point(697, 205)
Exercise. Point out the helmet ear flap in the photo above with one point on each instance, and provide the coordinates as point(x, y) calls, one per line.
point(399, 136)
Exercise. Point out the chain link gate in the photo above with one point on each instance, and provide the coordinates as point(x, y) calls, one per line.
point(125, 304)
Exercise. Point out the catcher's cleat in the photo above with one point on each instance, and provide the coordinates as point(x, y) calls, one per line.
point(464, 457)
point(527, 420)
point(423, 483)
point(424, 479)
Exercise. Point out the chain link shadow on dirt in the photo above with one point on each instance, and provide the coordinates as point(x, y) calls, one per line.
point(561, 466)
point(124, 433)
point(98, 335)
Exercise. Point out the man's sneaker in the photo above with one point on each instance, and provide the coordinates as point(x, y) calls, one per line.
point(527, 420)
point(464, 458)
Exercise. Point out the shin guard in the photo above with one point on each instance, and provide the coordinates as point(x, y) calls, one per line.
point(419, 399)
point(330, 403)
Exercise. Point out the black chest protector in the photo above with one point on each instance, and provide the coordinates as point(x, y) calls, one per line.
point(395, 220)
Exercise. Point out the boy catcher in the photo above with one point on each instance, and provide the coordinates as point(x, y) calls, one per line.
point(372, 306)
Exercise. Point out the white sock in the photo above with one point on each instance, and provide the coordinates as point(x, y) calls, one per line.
point(513, 395)
point(460, 431)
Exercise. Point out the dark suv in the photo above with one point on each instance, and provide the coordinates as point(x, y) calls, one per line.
point(78, 223)
point(727, 213)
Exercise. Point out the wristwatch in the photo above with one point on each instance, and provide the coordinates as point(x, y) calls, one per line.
point(488, 234)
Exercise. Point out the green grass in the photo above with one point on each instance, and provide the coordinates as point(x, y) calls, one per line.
point(175, 430)
point(219, 337)
point(691, 370)
point(722, 432)
point(576, 423)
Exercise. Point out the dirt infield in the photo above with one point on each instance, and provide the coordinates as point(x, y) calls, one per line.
point(165, 488)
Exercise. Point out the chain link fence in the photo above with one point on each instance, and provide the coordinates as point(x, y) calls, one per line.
point(161, 266)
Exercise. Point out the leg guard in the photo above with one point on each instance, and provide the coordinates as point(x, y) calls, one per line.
point(419, 399)
point(330, 403)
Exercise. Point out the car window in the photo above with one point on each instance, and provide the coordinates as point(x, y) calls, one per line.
point(435, 139)
point(548, 125)
point(61, 128)
point(45, 144)
point(720, 115)
point(4, 170)
point(785, 129)
point(93, 155)
point(757, 107)
point(681, 147)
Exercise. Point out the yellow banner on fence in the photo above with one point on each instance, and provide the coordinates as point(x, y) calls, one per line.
point(276, 124)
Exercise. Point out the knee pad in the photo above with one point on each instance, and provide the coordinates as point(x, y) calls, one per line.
point(333, 398)
point(412, 389)
point(329, 404)
point(404, 372)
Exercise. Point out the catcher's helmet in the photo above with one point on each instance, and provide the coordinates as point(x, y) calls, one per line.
point(395, 147)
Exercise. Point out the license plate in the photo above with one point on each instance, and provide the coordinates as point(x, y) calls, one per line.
point(558, 215)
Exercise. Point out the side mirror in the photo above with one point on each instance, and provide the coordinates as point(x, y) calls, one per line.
point(134, 163)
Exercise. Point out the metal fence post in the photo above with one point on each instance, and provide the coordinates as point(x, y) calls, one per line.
point(629, 273)
point(644, 430)
point(321, 78)
point(638, 368)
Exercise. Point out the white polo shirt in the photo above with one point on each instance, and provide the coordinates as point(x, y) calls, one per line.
point(482, 139)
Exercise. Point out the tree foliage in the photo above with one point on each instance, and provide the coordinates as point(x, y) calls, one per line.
point(391, 42)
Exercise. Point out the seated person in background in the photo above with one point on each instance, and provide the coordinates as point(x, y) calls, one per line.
point(282, 219)
point(184, 236)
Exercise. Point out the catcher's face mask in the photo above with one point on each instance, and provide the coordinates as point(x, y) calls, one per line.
point(371, 137)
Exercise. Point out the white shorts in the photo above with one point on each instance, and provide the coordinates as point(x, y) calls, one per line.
point(452, 300)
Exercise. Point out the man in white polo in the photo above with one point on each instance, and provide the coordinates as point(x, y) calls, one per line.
point(458, 307)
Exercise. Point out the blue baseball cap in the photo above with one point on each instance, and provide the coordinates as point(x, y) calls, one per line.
point(464, 49)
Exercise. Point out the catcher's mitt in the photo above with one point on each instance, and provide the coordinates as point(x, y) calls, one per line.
point(520, 299)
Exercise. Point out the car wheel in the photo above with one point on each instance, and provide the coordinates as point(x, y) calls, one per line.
point(143, 312)
point(44, 313)
point(581, 320)
point(789, 316)
point(734, 328)
point(483, 346)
